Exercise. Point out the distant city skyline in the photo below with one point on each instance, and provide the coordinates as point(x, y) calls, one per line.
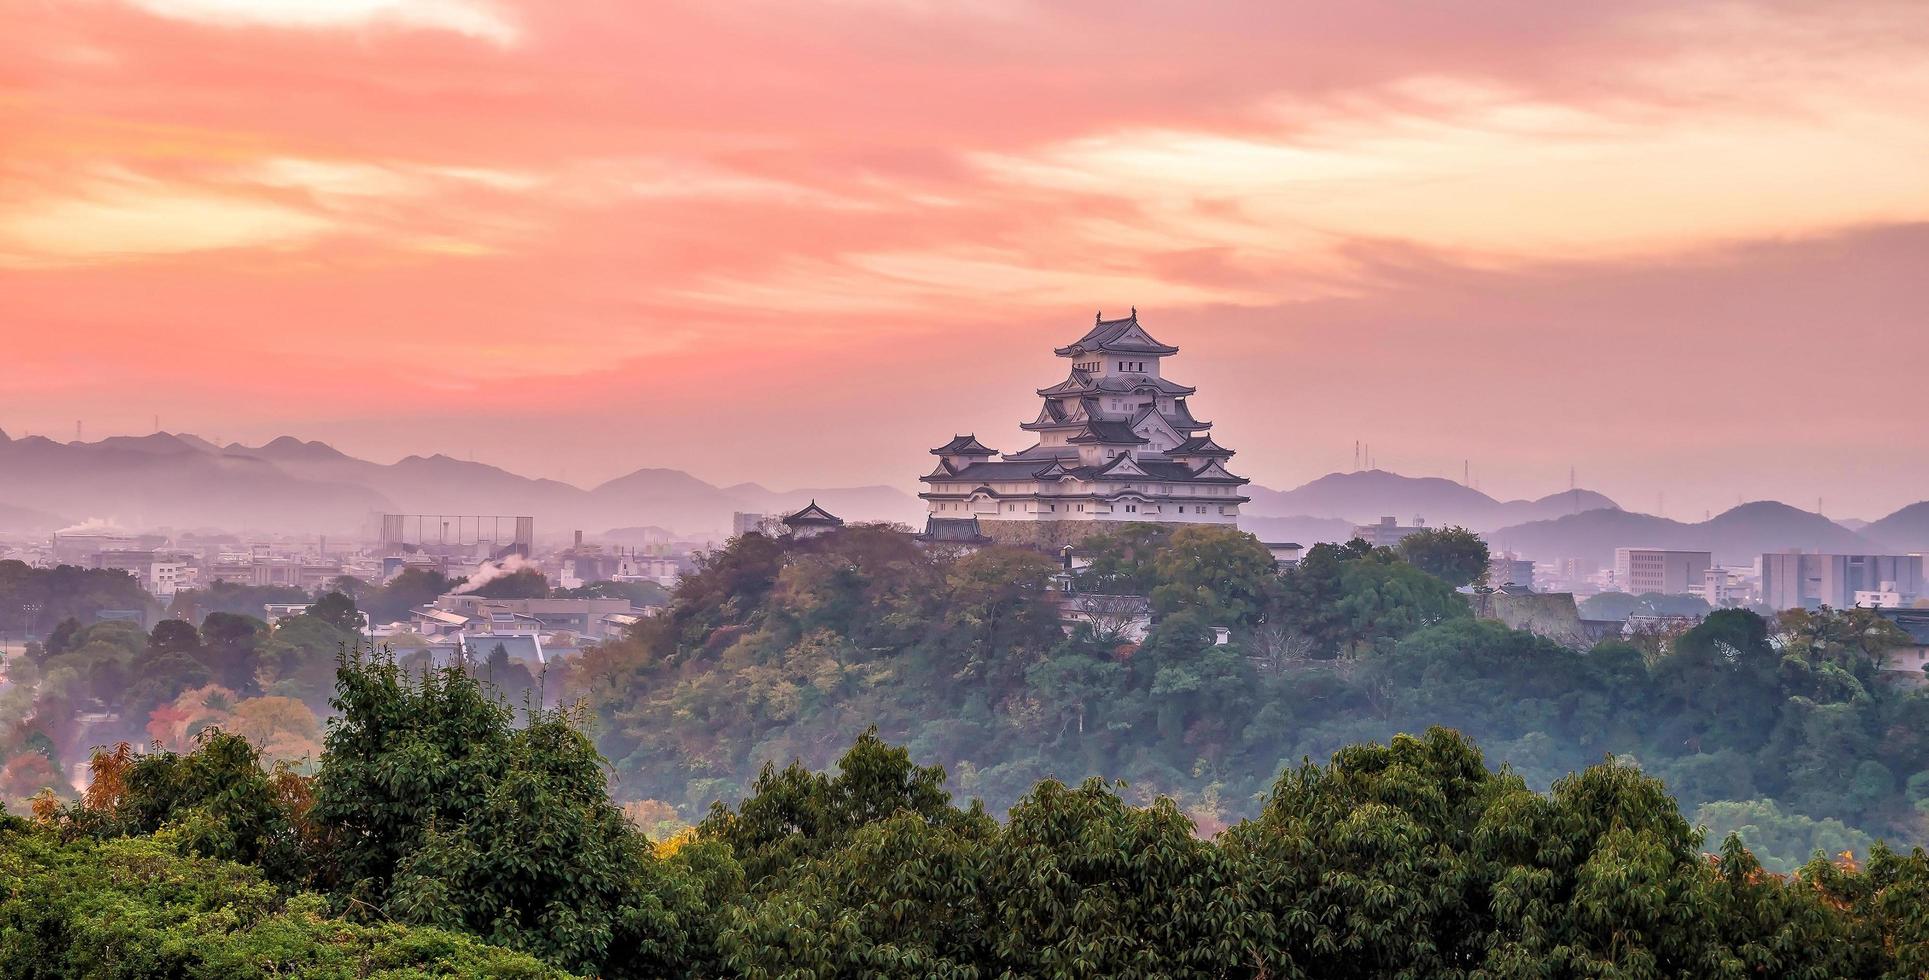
point(1678, 247)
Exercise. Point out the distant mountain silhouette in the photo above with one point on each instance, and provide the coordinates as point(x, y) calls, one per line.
point(26, 520)
point(1367, 495)
point(1736, 536)
point(1306, 531)
point(162, 480)
point(165, 479)
point(1906, 530)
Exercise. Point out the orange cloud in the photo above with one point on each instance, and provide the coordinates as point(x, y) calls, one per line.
point(425, 201)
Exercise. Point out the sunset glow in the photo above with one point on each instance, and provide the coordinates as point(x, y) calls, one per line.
point(615, 233)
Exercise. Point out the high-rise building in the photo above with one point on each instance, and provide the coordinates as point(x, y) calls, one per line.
point(1116, 442)
point(1792, 580)
point(1388, 532)
point(1509, 569)
point(1638, 571)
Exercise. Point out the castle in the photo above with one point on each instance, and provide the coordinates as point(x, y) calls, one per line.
point(1116, 442)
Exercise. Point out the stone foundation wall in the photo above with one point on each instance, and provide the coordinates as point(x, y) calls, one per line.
point(1047, 536)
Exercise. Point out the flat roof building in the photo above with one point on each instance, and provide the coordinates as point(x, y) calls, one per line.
point(1638, 571)
point(1793, 580)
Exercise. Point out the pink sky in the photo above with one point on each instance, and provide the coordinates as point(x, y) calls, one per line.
point(1683, 248)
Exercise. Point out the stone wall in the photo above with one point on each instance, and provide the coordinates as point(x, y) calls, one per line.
point(1047, 536)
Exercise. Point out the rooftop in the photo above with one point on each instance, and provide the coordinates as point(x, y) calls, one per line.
point(1123, 335)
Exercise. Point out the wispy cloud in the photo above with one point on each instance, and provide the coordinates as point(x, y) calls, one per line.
point(471, 18)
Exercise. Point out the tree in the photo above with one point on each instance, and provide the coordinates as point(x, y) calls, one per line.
point(281, 729)
point(337, 610)
point(410, 588)
point(1348, 599)
point(523, 583)
point(1781, 841)
point(443, 813)
point(174, 636)
point(1454, 555)
point(138, 907)
point(511, 679)
point(61, 639)
point(231, 646)
point(299, 658)
point(1222, 572)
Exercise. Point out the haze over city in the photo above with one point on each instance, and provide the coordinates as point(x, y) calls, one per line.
point(1676, 247)
point(1343, 490)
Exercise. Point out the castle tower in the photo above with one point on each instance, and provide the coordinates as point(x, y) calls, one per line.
point(1116, 441)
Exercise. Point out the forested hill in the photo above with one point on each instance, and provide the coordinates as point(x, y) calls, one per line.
point(778, 650)
point(442, 832)
point(438, 838)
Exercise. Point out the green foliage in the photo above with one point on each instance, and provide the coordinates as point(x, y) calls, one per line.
point(1454, 555)
point(410, 588)
point(39, 600)
point(1780, 841)
point(337, 610)
point(523, 583)
point(1350, 599)
point(640, 594)
point(232, 598)
point(440, 812)
point(135, 908)
point(1222, 573)
point(217, 798)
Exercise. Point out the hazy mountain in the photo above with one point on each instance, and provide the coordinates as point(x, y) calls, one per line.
point(157, 480)
point(1735, 536)
point(646, 536)
point(26, 520)
point(1307, 531)
point(291, 485)
point(1367, 495)
point(1906, 530)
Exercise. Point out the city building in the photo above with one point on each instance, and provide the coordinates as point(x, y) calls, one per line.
point(1905, 664)
point(1507, 569)
point(472, 536)
point(768, 525)
point(1889, 596)
point(1116, 442)
point(1286, 554)
point(1794, 580)
point(1389, 532)
point(1725, 587)
point(662, 569)
point(1639, 571)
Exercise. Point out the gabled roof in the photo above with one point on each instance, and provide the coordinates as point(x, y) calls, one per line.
point(1052, 415)
point(1123, 335)
point(1107, 433)
point(1155, 469)
point(1215, 470)
point(1115, 384)
point(1914, 622)
point(963, 446)
point(1182, 417)
point(953, 530)
point(1047, 453)
point(1149, 420)
point(1199, 446)
point(813, 515)
point(1121, 465)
